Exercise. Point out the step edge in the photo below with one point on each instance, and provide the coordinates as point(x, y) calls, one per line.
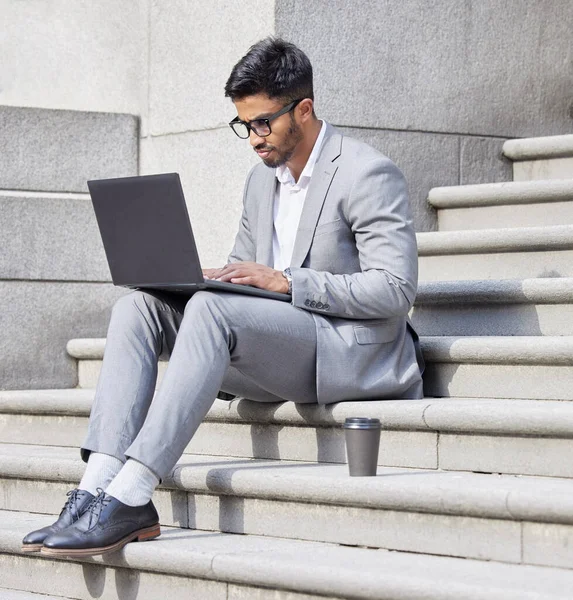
point(509, 501)
point(549, 290)
point(86, 348)
point(257, 570)
point(539, 148)
point(504, 350)
point(478, 416)
point(6, 194)
point(513, 193)
point(549, 350)
point(500, 240)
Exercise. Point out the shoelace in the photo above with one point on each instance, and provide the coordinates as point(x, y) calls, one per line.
point(72, 497)
point(97, 505)
point(70, 504)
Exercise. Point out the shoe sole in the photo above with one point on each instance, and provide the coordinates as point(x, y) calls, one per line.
point(31, 547)
point(141, 535)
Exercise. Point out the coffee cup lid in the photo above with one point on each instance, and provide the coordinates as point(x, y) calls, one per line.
point(361, 423)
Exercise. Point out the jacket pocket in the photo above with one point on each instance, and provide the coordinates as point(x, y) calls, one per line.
point(376, 334)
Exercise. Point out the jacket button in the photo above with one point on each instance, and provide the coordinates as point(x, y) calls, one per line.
point(326, 307)
point(319, 305)
point(307, 302)
point(313, 304)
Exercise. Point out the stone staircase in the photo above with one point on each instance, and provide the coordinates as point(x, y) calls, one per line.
point(474, 494)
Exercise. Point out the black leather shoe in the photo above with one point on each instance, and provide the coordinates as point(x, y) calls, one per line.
point(76, 504)
point(106, 526)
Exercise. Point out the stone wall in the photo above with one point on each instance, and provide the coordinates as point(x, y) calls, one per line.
point(439, 85)
point(192, 49)
point(166, 62)
point(54, 278)
point(81, 55)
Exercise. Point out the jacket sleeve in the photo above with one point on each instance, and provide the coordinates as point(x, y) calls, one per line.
point(244, 247)
point(378, 214)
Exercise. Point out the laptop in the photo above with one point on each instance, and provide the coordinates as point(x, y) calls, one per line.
point(148, 239)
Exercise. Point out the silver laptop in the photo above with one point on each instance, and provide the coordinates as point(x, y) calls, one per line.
point(147, 236)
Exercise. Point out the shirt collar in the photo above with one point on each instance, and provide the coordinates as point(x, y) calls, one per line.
point(283, 173)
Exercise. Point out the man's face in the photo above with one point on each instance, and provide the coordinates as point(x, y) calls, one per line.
point(279, 146)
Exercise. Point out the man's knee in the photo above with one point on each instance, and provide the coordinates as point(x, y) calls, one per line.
point(208, 308)
point(136, 303)
point(202, 303)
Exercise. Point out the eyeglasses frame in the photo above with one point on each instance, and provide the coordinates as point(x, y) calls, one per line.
point(267, 120)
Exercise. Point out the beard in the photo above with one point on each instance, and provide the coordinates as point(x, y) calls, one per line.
point(285, 152)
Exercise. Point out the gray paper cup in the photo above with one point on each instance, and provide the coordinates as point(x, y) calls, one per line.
point(362, 443)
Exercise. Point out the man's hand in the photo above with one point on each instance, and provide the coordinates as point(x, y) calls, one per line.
point(250, 273)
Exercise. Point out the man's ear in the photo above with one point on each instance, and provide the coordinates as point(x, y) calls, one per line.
point(305, 109)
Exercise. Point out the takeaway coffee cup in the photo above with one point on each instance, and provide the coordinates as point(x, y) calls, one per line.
point(362, 442)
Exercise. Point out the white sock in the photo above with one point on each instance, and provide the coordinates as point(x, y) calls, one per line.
point(134, 484)
point(100, 471)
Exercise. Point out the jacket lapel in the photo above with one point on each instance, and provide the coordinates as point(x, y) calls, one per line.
point(264, 242)
point(321, 179)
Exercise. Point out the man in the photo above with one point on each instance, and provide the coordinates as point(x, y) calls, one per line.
point(326, 219)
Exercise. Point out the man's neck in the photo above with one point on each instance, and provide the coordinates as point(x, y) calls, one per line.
point(299, 159)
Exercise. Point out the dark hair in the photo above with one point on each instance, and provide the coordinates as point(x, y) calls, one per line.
point(273, 67)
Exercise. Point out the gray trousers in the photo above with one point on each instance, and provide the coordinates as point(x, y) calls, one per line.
point(247, 346)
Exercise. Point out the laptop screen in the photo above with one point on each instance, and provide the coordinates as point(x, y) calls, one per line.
point(146, 230)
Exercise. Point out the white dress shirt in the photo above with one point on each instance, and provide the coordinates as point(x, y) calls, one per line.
point(289, 201)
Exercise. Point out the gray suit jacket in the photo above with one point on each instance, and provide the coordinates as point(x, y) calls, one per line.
point(354, 266)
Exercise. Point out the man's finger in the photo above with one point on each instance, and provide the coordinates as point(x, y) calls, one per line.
point(229, 275)
point(234, 265)
point(210, 273)
point(249, 280)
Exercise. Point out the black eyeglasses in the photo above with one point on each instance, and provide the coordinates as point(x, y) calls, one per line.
point(262, 127)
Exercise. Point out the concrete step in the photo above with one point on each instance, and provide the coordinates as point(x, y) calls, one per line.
point(514, 204)
point(529, 367)
point(539, 368)
point(495, 307)
point(6, 594)
point(89, 354)
point(184, 564)
point(63, 148)
point(521, 520)
point(541, 158)
point(507, 253)
point(487, 435)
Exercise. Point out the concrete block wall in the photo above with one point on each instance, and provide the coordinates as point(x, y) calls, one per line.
point(54, 278)
point(436, 86)
point(430, 160)
point(79, 55)
point(445, 76)
point(166, 62)
point(60, 150)
point(471, 67)
point(192, 49)
point(37, 319)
